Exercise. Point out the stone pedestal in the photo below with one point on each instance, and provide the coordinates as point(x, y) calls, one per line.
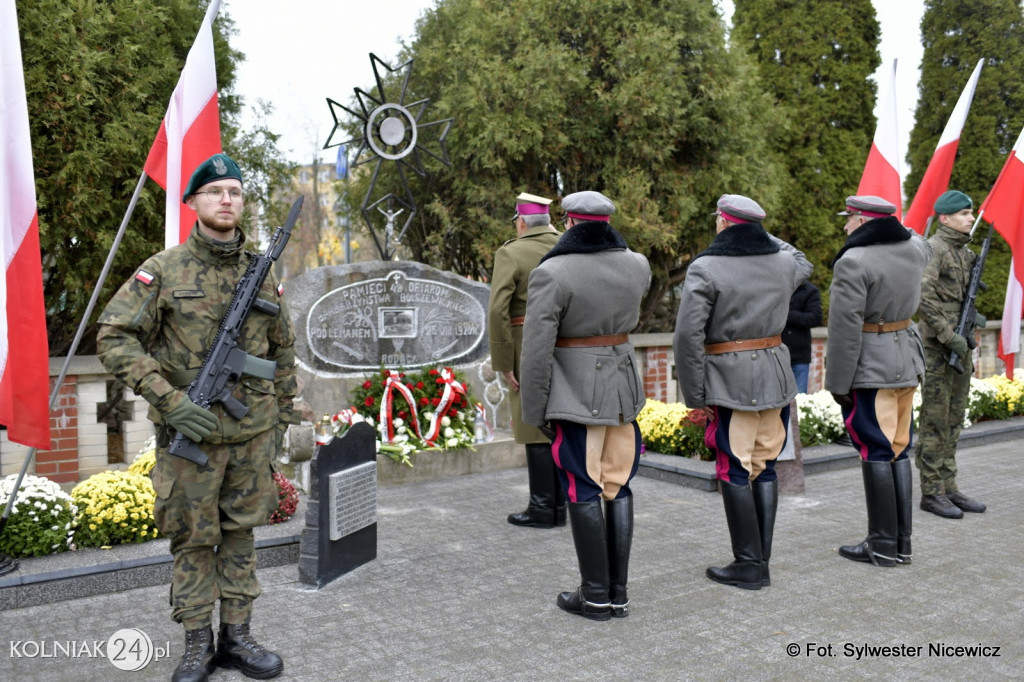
point(341, 514)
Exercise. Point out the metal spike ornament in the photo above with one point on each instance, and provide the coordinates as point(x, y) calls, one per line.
point(391, 132)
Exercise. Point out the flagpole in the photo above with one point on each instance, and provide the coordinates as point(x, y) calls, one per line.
point(8, 564)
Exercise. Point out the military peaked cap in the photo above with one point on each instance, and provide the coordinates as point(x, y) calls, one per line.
point(869, 206)
point(737, 208)
point(531, 204)
point(588, 205)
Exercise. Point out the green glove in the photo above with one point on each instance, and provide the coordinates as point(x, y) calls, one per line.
point(958, 345)
point(192, 420)
point(980, 321)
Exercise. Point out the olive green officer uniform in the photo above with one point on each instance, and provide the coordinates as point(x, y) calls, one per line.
point(513, 263)
point(154, 334)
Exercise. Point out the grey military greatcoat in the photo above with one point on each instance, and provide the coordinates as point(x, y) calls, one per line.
point(738, 289)
point(589, 285)
point(876, 277)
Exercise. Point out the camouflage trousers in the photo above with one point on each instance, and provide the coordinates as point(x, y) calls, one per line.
point(208, 514)
point(944, 399)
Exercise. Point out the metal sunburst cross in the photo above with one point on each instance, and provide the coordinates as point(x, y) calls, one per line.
point(391, 132)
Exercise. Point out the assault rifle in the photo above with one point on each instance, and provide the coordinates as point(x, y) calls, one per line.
point(226, 362)
point(968, 313)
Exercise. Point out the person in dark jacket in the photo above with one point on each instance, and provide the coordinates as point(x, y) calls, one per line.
point(804, 314)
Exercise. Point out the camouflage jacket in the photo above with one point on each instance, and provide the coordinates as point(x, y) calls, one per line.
point(944, 284)
point(161, 324)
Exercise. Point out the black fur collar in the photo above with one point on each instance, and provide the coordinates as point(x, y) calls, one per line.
point(886, 230)
point(741, 239)
point(587, 237)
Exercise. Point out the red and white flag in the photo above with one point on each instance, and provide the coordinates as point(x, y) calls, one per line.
point(190, 132)
point(1004, 208)
point(936, 177)
point(881, 177)
point(24, 351)
point(1009, 336)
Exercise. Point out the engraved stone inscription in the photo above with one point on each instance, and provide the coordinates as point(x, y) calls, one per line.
point(353, 499)
point(396, 320)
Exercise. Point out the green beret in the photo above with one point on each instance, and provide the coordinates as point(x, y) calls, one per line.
point(952, 201)
point(217, 167)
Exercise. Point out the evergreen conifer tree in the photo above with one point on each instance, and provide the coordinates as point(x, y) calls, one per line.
point(956, 34)
point(815, 59)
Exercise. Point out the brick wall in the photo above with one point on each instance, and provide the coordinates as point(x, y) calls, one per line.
point(657, 360)
point(79, 441)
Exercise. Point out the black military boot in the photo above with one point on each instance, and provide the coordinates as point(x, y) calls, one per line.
point(766, 503)
point(745, 571)
point(590, 599)
point(540, 467)
point(940, 506)
point(879, 548)
point(237, 649)
point(965, 503)
point(618, 516)
point(197, 661)
point(904, 487)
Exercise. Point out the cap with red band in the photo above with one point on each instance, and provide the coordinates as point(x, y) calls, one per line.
point(588, 205)
point(737, 208)
point(868, 206)
point(531, 204)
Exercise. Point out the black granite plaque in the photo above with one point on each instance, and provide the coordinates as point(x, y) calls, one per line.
point(321, 558)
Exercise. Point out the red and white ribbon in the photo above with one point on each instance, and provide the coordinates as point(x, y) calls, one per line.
point(386, 423)
point(452, 388)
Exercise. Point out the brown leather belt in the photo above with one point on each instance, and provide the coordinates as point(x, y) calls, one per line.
point(518, 321)
point(742, 344)
point(591, 341)
point(881, 327)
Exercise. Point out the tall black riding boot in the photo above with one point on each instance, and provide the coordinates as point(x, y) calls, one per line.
point(237, 649)
point(766, 502)
point(618, 516)
point(904, 487)
point(879, 547)
point(197, 661)
point(590, 599)
point(745, 570)
point(561, 510)
point(540, 467)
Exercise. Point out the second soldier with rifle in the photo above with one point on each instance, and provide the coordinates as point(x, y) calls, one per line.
point(155, 335)
point(945, 296)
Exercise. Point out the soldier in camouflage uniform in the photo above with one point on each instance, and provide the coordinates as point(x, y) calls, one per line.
point(506, 313)
point(154, 335)
point(945, 393)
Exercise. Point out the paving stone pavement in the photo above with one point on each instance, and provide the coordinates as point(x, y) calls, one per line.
point(458, 594)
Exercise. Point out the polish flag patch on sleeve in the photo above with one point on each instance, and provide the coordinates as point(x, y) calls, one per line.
point(144, 277)
point(280, 290)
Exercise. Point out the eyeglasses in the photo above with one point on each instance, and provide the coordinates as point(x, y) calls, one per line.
point(515, 218)
point(565, 220)
point(217, 194)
